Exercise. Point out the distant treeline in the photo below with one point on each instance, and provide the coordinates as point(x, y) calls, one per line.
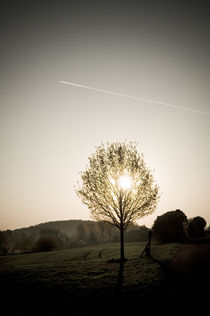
point(63, 235)
point(172, 226)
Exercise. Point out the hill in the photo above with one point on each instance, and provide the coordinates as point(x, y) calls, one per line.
point(59, 235)
point(66, 226)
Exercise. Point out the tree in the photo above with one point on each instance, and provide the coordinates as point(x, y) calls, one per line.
point(92, 238)
point(24, 242)
point(169, 227)
point(196, 227)
point(51, 239)
point(45, 243)
point(137, 234)
point(82, 233)
point(117, 186)
point(3, 244)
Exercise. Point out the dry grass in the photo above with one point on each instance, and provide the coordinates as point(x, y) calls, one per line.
point(85, 279)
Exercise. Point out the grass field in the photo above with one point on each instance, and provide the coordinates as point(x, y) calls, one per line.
point(87, 279)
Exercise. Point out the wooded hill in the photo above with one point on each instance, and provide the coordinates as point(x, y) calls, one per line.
point(64, 234)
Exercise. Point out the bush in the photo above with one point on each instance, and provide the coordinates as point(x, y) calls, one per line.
point(169, 227)
point(46, 244)
point(196, 227)
point(51, 239)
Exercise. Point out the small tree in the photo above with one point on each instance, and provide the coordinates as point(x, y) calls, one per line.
point(117, 186)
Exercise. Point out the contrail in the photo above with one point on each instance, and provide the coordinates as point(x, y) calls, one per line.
point(135, 98)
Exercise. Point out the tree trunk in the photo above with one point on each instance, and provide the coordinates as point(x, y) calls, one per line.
point(122, 254)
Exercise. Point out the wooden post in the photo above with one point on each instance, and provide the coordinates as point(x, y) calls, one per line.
point(147, 249)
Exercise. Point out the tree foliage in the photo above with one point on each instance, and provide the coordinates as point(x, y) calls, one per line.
point(117, 186)
point(137, 234)
point(196, 227)
point(50, 239)
point(101, 191)
point(169, 227)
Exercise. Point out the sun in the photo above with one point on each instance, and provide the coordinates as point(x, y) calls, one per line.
point(125, 182)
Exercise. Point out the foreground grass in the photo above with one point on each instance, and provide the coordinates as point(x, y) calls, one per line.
point(87, 279)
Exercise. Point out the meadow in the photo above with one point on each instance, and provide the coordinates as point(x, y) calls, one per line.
point(88, 279)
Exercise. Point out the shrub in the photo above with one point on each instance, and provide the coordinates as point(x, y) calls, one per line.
point(196, 227)
point(46, 244)
point(169, 227)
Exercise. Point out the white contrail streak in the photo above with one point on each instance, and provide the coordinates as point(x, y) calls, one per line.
point(134, 98)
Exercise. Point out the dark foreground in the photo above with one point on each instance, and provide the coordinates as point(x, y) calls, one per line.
point(92, 281)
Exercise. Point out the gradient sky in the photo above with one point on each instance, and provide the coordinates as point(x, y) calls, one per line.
point(143, 48)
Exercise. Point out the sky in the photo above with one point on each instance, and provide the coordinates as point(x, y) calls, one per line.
point(147, 49)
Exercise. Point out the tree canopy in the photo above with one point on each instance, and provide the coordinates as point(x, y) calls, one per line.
point(169, 226)
point(117, 186)
point(196, 227)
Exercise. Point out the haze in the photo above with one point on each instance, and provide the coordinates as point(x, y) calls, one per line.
point(48, 130)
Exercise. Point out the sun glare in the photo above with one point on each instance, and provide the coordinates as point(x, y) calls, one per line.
point(125, 182)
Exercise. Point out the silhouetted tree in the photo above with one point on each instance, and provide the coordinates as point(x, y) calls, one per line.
point(51, 239)
point(82, 233)
point(24, 243)
point(117, 186)
point(3, 244)
point(137, 234)
point(92, 238)
point(46, 244)
point(196, 227)
point(169, 227)
point(102, 227)
point(7, 241)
